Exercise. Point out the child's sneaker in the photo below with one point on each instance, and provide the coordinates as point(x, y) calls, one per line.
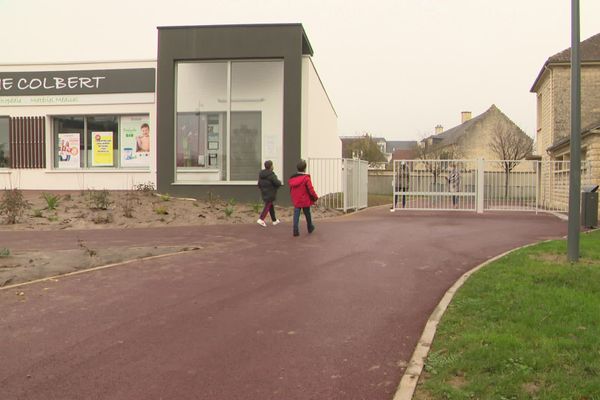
point(261, 222)
point(276, 222)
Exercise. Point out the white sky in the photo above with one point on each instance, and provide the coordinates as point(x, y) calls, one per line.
point(393, 68)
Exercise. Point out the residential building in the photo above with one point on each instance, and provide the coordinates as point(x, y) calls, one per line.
point(552, 87)
point(472, 139)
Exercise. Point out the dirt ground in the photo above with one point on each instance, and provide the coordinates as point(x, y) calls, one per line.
point(135, 209)
point(132, 209)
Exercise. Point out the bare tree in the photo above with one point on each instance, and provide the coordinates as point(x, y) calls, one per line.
point(510, 144)
point(431, 152)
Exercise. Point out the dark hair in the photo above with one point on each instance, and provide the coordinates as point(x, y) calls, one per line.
point(268, 164)
point(145, 125)
point(301, 166)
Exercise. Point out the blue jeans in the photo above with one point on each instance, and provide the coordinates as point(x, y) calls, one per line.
point(306, 211)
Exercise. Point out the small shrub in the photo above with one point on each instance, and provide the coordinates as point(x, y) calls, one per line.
point(51, 201)
point(165, 197)
point(4, 252)
point(161, 210)
point(13, 205)
point(228, 210)
point(100, 199)
point(257, 207)
point(147, 187)
point(52, 218)
point(128, 206)
point(86, 249)
point(231, 202)
point(103, 219)
point(212, 198)
point(37, 213)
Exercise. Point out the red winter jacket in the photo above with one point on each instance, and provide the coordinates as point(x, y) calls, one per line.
point(301, 190)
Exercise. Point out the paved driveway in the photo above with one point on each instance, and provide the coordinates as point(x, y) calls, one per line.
point(255, 314)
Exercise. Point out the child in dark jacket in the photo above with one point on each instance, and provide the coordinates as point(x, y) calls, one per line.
point(303, 196)
point(268, 185)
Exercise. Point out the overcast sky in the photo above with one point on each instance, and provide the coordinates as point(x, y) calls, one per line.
point(393, 68)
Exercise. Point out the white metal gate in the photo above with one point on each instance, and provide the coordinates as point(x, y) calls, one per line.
point(480, 185)
point(435, 185)
point(341, 183)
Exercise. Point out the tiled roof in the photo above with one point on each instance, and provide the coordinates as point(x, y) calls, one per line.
point(588, 130)
point(409, 154)
point(589, 51)
point(392, 145)
point(452, 135)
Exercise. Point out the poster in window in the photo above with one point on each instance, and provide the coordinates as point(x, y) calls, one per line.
point(68, 150)
point(102, 149)
point(135, 141)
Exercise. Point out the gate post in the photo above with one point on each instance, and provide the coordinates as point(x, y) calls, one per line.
point(480, 185)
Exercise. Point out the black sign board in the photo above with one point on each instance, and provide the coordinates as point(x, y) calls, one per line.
point(47, 83)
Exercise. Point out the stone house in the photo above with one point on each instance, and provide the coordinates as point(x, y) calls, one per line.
point(553, 90)
point(471, 139)
point(552, 87)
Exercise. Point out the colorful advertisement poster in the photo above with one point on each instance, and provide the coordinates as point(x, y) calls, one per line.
point(102, 149)
point(68, 150)
point(135, 141)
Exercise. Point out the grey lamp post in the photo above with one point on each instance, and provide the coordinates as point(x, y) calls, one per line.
point(575, 170)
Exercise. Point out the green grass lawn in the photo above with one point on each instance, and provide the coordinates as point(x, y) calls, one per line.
point(524, 327)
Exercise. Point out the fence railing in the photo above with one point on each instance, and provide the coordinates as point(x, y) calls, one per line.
point(341, 183)
point(478, 185)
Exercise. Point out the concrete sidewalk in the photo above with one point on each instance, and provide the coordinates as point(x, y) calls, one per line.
point(257, 314)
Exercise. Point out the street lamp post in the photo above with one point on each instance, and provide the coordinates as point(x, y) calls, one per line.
point(575, 170)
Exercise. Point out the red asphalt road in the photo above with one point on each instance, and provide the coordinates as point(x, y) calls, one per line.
point(333, 315)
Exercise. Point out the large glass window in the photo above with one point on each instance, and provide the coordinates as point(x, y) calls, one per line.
point(4, 142)
point(69, 146)
point(229, 119)
point(101, 141)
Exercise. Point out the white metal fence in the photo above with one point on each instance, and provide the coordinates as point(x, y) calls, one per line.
point(341, 183)
point(478, 185)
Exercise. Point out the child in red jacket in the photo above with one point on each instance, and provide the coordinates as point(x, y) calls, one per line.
point(303, 196)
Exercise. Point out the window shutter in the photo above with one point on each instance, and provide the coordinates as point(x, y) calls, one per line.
point(27, 142)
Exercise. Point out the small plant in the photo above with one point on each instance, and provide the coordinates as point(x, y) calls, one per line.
point(52, 218)
point(4, 252)
point(103, 219)
point(147, 187)
point(51, 201)
point(128, 206)
point(13, 204)
point(165, 197)
point(161, 210)
point(228, 210)
point(231, 202)
point(86, 249)
point(37, 213)
point(100, 199)
point(256, 207)
point(212, 198)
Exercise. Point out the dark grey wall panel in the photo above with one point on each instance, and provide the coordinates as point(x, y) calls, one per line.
point(285, 42)
point(44, 83)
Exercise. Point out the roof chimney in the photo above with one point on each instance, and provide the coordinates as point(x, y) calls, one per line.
point(465, 116)
point(439, 129)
